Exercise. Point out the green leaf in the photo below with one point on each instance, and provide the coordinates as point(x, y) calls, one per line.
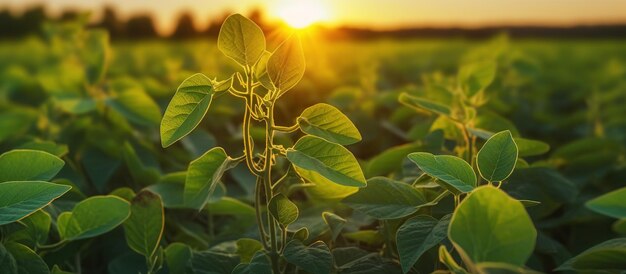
point(454, 173)
point(28, 165)
point(384, 198)
point(390, 159)
point(529, 147)
point(7, 262)
point(203, 176)
point(370, 237)
point(210, 262)
point(177, 256)
point(144, 227)
point(53, 148)
point(20, 199)
point(609, 256)
point(260, 72)
point(187, 108)
point(241, 39)
point(424, 104)
point(417, 235)
point(611, 204)
point(92, 217)
point(315, 259)
point(286, 65)
point(335, 223)
point(259, 264)
point(95, 54)
point(230, 206)
point(327, 122)
point(494, 268)
point(329, 160)
point(283, 210)
point(27, 261)
point(246, 248)
point(490, 226)
point(36, 229)
point(476, 77)
point(136, 106)
point(496, 159)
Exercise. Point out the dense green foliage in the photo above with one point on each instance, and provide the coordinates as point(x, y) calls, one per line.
point(428, 156)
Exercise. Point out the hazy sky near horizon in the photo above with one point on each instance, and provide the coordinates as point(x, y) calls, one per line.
point(367, 13)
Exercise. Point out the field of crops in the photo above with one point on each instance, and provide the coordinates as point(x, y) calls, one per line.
point(298, 154)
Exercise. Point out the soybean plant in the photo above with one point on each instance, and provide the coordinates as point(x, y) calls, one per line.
point(318, 157)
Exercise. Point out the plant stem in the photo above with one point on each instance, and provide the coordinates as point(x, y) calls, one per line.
point(267, 173)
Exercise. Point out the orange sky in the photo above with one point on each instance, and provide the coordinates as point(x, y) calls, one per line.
point(372, 13)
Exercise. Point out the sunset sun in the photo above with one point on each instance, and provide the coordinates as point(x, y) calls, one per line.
point(301, 14)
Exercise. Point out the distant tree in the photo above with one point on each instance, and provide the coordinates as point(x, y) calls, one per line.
point(111, 23)
point(31, 20)
point(215, 23)
point(7, 24)
point(185, 28)
point(140, 26)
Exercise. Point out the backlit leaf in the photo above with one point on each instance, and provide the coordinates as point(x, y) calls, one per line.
point(203, 176)
point(28, 165)
point(454, 173)
point(496, 159)
point(241, 39)
point(329, 123)
point(187, 108)
point(286, 65)
point(144, 227)
point(490, 226)
point(92, 217)
point(20, 199)
point(384, 198)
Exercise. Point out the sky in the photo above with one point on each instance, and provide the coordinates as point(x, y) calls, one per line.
point(379, 14)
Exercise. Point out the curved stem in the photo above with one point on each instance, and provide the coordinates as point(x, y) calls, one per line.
point(286, 129)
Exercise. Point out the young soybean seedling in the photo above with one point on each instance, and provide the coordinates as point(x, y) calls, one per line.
point(318, 157)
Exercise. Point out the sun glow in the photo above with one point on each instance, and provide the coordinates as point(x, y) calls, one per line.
point(301, 14)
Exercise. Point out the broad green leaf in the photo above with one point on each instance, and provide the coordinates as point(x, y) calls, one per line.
point(53, 148)
point(171, 188)
point(7, 262)
point(384, 198)
point(390, 159)
point(424, 104)
point(241, 39)
point(286, 65)
point(329, 160)
point(177, 256)
point(327, 122)
point(203, 176)
point(283, 210)
point(369, 237)
point(335, 223)
point(476, 77)
point(136, 106)
point(259, 264)
point(454, 173)
point(20, 199)
point(28, 165)
point(323, 189)
point(496, 159)
point(211, 262)
point(125, 193)
point(529, 147)
point(27, 261)
point(607, 257)
point(187, 108)
point(417, 235)
point(490, 226)
point(260, 71)
point(35, 231)
point(92, 217)
point(144, 227)
point(230, 206)
point(95, 54)
point(246, 248)
point(611, 204)
point(315, 259)
point(75, 104)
